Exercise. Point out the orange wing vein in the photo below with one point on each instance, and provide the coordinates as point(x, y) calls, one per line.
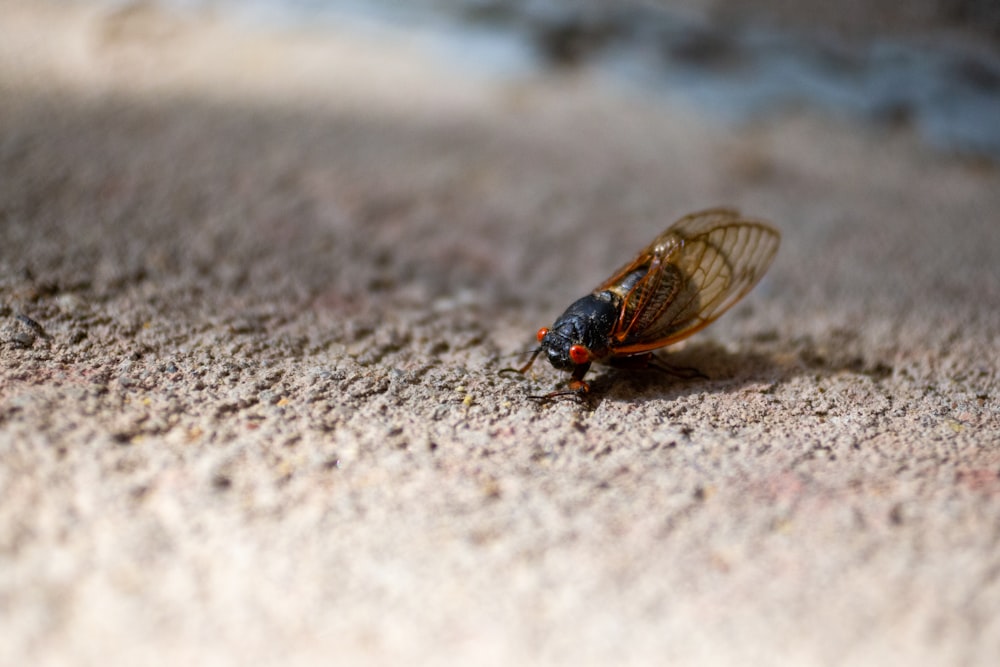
point(687, 277)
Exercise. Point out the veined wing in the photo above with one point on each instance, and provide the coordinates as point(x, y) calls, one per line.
point(689, 276)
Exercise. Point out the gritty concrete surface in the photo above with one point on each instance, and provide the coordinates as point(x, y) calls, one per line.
point(255, 289)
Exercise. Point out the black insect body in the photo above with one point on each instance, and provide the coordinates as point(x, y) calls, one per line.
point(679, 284)
point(586, 323)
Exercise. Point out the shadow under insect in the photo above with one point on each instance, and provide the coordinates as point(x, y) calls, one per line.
point(696, 368)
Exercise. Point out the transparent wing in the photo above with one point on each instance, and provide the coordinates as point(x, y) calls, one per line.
point(689, 276)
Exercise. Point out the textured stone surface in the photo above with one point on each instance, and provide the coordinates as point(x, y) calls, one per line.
point(254, 294)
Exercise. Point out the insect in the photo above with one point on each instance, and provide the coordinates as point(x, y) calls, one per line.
point(677, 285)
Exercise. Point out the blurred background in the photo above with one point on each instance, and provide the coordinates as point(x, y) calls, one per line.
point(933, 65)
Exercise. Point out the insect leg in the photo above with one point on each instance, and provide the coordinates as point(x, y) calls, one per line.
point(650, 360)
point(683, 372)
point(523, 369)
point(578, 387)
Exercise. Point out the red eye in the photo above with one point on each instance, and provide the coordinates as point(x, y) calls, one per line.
point(541, 334)
point(579, 354)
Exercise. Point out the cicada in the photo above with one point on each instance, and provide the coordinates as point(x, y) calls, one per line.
point(677, 285)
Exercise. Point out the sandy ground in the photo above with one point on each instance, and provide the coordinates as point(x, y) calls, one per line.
point(255, 290)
